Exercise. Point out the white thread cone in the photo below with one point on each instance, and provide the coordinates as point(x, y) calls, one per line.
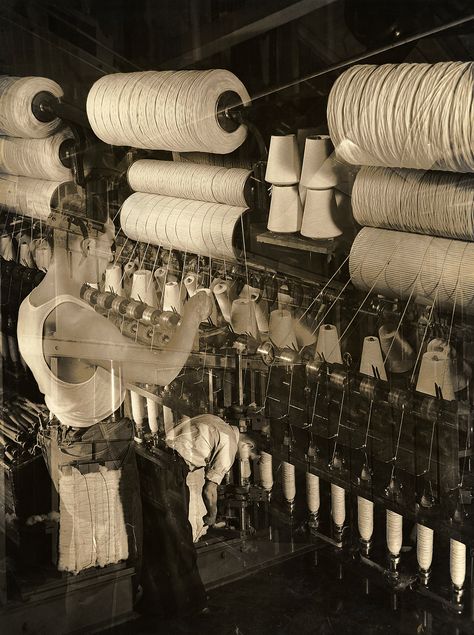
point(243, 317)
point(401, 355)
point(266, 470)
point(221, 293)
point(460, 370)
point(288, 481)
point(312, 492)
point(328, 344)
point(281, 329)
point(283, 165)
point(338, 505)
point(25, 255)
point(213, 314)
point(316, 150)
point(152, 412)
point(191, 283)
point(365, 518)
point(138, 408)
point(172, 298)
point(285, 210)
point(435, 369)
point(394, 532)
point(457, 562)
point(143, 288)
point(320, 215)
point(6, 248)
point(372, 357)
point(248, 291)
point(424, 546)
point(113, 279)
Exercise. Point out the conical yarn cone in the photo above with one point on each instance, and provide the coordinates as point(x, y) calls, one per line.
point(399, 356)
point(25, 255)
point(113, 279)
point(6, 248)
point(143, 288)
point(320, 213)
point(221, 293)
point(372, 358)
point(281, 329)
point(460, 370)
point(328, 344)
point(333, 173)
point(436, 369)
point(316, 150)
point(243, 317)
point(191, 283)
point(172, 297)
point(283, 165)
point(285, 210)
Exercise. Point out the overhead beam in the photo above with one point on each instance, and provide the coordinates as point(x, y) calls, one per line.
point(250, 28)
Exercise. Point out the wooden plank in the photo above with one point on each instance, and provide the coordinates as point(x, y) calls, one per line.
point(250, 28)
point(295, 241)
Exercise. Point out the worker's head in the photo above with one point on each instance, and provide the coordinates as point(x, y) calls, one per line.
point(87, 255)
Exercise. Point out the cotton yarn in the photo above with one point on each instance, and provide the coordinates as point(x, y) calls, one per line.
point(365, 518)
point(288, 481)
point(338, 505)
point(30, 197)
point(167, 110)
point(198, 227)
point(402, 265)
point(394, 532)
point(457, 563)
point(16, 114)
point(424, 546)
point(266, 471)
point(434, 203)
point(405, 115)
point(188, 180)
point(313, 498)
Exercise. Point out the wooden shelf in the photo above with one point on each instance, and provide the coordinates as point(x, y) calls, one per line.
point(296, 241)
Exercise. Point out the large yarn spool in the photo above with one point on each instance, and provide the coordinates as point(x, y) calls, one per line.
point(424, 546)
point(189, 180)
point(457, 563)
point(283, 165)
point(401, 265)
point(35, 158)
point(113, 279)
point(320, 215)
point(436, 370)
point(434, 203)
point(285, 209)
point(394, 532)
point(316, 150)
point(198, 227)
point(338, 505)
point(328, 346)
point(143, 288)
point(371, 358)
point(404, 115)
point(365, 518)
point(281, 329)
point(266, 470)
point(172, 300)
point(243, 318)
point(30, 197)
point(168, 110)
point(16, 99)
point(313, 498)
point(288, 481)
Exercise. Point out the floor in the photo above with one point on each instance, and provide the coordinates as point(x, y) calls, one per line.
point(311, 594)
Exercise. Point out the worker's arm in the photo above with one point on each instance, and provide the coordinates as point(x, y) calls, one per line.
point(209, 494)
point(105, 343)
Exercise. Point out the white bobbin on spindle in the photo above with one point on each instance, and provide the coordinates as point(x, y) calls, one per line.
point(394, 532)
point(365, 518)
point(457, 563)
point(313, 499)
point(266, 471)
point(152, 412)
point(424, 547)
point(288, 481)
point(338, 505)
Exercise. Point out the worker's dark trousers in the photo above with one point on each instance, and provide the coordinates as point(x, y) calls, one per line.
point(171, 582)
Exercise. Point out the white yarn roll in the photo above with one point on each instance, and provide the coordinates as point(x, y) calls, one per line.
point(394, 532)
point(320, 214)
point(25, 255)
point(436, 370)
point(168, 110)
point(188, 180)
point(401, 265)
point(30, 197)
point(221, 292)
point(424, 546)
point(193, 226)
point(243, 317)
point(285, 210)
point(434, 203)
point(244, 456)
point(143, 288)
point(138, 408)
point(172, 297)
point(42, 256)
point(113, 279)
point(281, 329)
point(283, 164)
point(328, 345)
point(316, 150)
point(191, 283)
point(16, 98)
point(288, 481)
point(152, 412)
point(6, 247)
point(35, 158)
point(312, 492)
point(405, 115)
point(338, 505)
point(365, 518)
point(372, 358)
point(266, 470)
point(457, 563)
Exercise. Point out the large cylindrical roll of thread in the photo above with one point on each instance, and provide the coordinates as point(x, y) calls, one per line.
point(434, 203)
point(143, 287)
point(401, 265)
point(198, 227)
point(35, 158)
point(242, 317)
point(221, 293)
point(281, 329)
point(328, 346)
point(312, 493)
point(30, 197)
point(285, 210)
point(16, 101)
point(168, 110)
point(394, 532)
point(188, 180)
point(266, 470)
point(288, 481)
point(424, 546)
point(404, 115)
point(113, 279)
point(457, 563)
point(338, 505)
point(365, 518)
point(172, 297)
